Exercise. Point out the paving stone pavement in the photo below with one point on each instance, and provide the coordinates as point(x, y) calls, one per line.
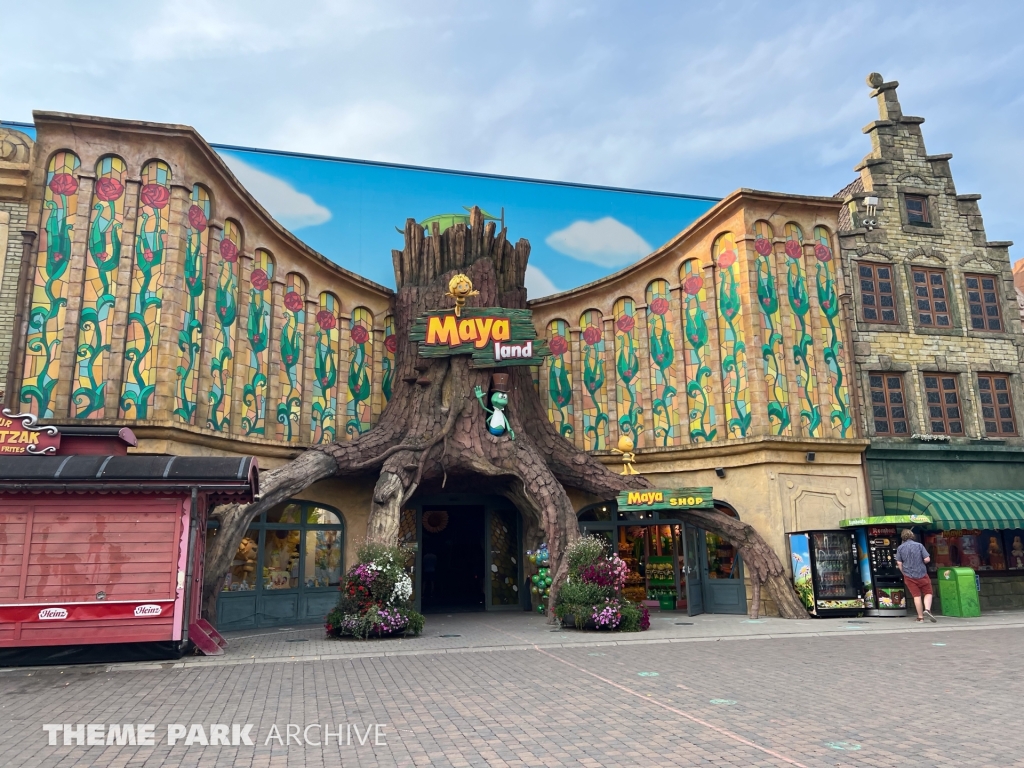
point(935, 697)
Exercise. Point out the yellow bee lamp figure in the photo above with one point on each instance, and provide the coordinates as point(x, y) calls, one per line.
point(460, 288)
point(625, 447)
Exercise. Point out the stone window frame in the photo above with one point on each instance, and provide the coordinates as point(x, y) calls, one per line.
point(1016, 398)
point(966, 417)
point(955, 327)
point(984, 332)
point(911, 392)
point(901, 325)
point(926, 214)
point(934, 226)
point(902, 377)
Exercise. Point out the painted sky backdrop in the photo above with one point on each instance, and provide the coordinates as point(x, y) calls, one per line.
point(680, 98)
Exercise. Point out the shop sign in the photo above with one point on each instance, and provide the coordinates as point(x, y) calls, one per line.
point(671, 498)
point(494, 336)
point(86, 611)
point(21, 434)
point(887, 520)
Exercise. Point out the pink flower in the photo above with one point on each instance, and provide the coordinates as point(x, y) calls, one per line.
point(558, 345)
point(793, 249)
point(293, 301)
point(625, 323)
point(727, 259)
point(259, 280)
point(693, 284)
point(155, 196)
point(228, 250)
point(391, 343)
point(63, 184)
point(197, 218)
point(359, 334)
point(822, 253)
point(659, 306)
point(147, 255)
point(326, 319)
point(763, 246)
point(108, 189)
point(826, 304)
point(592, 335)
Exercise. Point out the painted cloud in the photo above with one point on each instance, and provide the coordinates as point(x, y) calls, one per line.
point(293, 209)
point(538, 284)
point(606, 242)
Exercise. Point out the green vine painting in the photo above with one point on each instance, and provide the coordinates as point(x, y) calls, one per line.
point(803, 349)
point(257, 333)
point(832, 346)
point(595, 415)
point(772, 347)
point(290, 406)
point(731, 340)
point(190, 337)
point(696, 363)
point(627, 367)
point(360, 368)
point(662, 349)
point(559, 369)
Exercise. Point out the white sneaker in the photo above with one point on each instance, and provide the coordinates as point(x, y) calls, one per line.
point(931, 618)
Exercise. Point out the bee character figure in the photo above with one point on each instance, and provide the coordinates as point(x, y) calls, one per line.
point(625, 447)
point(497, 422)
point(460, 288)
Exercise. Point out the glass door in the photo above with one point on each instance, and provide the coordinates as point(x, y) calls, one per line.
point(833, 565)
point(503, 560)
point(694, 570)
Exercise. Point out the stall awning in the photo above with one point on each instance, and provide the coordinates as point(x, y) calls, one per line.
point(953, 510)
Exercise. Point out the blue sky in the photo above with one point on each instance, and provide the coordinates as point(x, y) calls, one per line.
point(678, 98)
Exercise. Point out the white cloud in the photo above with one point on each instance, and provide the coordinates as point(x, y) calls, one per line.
point(538, 284)
point(293, 209)
point(606, 242)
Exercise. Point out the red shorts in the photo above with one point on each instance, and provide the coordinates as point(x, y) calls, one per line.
point(918, 587)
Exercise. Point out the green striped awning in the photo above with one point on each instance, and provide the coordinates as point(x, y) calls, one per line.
point(952, 510)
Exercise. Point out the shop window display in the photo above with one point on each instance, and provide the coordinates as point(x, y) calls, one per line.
point(721, 557)
point(971, 548)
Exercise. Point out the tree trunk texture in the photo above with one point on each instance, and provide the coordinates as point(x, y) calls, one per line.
point(433, 433)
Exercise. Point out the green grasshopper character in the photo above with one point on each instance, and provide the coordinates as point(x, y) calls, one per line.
point(497, 423)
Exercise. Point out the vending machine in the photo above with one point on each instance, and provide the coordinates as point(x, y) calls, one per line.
point(877, 545)
point(825, 572)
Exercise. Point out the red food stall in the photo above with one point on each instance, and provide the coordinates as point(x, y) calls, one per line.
point(101, 553)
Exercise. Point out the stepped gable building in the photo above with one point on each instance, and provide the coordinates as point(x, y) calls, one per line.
point(937, 339)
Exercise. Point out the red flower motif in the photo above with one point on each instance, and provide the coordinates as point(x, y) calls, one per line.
point(155, 195)
point(628, 373)
point(259, 280)
point(826, 304)
point(293, 301)
point(694, 338)
point(391, 343)
point(659, 306)
point(625, 323)
point(228, 250)
point(793, 249)
point(763, 246)
point(147, 255)
point(257, 338)
point(658, 358)
point(191, 281)
point(558, 345)
point(326, 319)
point(797, 302)
point(766, 301)
point(822, 253)
point(63, 184)
point(197, 218)
point(359, 334)
point(592, 335)
point(693, 284)
point(108, 189)
point(726, 259)
point(289, 359)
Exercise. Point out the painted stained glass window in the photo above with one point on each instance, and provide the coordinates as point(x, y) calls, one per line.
point(324, 426)
point(147, 291)
point(360, 372)
point(832, 346)
point(100, 287)
point(595, 403)
point(222, 362)
point(190, 338)
point(290, 372)
point(662, 347)
point(387, 362)
point(50, 286)
point(628, 397)
point(730, 337)
point(558, 377)
point(253, 364)
point(696, 354)
point(773, 356)
point(803, 348)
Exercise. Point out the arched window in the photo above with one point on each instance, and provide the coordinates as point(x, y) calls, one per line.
point(661, 346)
point(832, 346)
point(730, 336)
point(628, 396)
point(803, 347)
point(324, 426)
point(290, 373)
point(50, 285)
point(190, 345)
point(558, 377)
point(103, 256)
point(773, 355)
point(222, 364)
point(358, 414)
point(142, 339)
point(253, 363)
point(387, 361)
point(696, 354)
point(594, 408)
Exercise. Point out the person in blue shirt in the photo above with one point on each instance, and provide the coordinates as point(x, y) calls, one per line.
point(912, 559)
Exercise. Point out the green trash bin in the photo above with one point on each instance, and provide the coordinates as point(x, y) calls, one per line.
point(958, 592)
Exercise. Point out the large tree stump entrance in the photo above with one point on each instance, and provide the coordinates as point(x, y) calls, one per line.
point(433, 432)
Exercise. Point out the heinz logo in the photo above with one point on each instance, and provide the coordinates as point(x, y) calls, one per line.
point(147, 610)
point(452, 331)
point(48, 614)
